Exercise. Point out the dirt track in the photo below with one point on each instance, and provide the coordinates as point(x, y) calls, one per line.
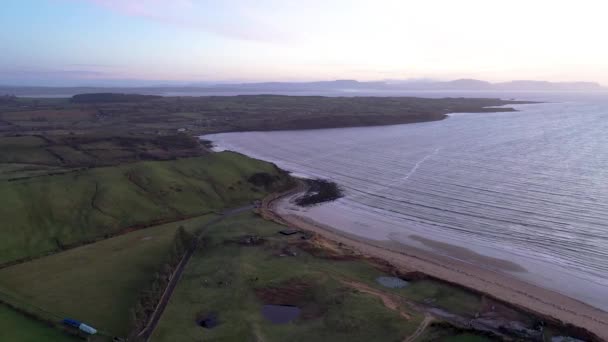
point(147, 332)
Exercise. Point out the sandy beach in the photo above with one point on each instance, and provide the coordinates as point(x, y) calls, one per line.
point(540, 301)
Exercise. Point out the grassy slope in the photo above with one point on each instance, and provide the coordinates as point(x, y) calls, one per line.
point(18, 328)
point(48, 212)
point(345, 314)
point(96, 283)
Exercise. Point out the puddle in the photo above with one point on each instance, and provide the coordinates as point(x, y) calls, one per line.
point(392, 282)
point(209, 322)
point(280, 314)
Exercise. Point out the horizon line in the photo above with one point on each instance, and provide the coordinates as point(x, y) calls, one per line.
point(207, 84)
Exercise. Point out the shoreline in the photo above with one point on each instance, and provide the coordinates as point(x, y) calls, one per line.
point(543, 302)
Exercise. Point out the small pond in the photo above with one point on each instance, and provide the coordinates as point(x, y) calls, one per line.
point(392, 282)
point(280, 314)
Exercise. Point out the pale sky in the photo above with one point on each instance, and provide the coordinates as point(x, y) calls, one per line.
point(91, 41)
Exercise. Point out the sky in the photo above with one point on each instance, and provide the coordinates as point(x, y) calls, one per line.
point(137, 42)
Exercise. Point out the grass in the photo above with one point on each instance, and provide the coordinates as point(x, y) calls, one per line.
point(223, 278)
point(18, 328)
point(466, 338)
point(48, 213)
point(97, 283)
point(26, 150)
point(21, 142)
point(449, 297)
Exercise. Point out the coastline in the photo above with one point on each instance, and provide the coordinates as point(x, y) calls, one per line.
point(543, 302)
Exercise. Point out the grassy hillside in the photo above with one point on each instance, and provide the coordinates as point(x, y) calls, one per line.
point(51, 213)
point(96, 283)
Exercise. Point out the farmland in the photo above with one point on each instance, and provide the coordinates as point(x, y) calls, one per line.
point(26, 156)
point(106, 276)
point(53, 213)
point(211, 114)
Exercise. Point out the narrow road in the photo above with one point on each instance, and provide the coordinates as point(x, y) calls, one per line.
point(146, 333)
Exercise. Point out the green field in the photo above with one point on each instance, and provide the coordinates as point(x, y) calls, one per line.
point(15, 327)
point(224, 278)
point(48, 214)
point(96, 283)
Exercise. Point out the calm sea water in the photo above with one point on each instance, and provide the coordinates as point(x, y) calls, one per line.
point(530, 187)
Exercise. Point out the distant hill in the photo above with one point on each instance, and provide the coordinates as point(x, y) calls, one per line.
point(460, 84)
point(320, 87)
point(111, 97)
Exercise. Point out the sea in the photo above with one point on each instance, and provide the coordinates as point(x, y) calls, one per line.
point(528, 187)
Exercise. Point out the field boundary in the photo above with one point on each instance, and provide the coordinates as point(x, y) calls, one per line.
point(147, 332)
point(122, 231)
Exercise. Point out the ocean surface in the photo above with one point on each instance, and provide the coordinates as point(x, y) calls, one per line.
point(529, 187)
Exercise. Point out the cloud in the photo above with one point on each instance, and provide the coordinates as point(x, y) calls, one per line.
point(89, 65)
point(231, 19)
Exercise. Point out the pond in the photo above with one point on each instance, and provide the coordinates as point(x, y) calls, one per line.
point(280, 314)
point(392, 282)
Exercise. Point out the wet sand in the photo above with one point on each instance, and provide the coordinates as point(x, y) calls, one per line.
point(466, 255)
point(488, 280)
